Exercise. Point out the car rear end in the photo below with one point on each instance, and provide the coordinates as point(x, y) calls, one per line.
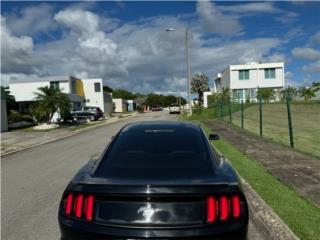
point(155, 181)
point(174, 108)
point(127, 212)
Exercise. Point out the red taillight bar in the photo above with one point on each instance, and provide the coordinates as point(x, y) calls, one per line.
point(89, 207)
point(211, 209)
point(235, 206)
point(224, 207)
point(78, 205)
point(68, 205)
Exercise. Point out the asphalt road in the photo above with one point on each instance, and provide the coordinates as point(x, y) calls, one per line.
point(33, 180)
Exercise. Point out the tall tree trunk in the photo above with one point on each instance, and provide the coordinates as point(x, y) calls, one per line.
point(200, 98)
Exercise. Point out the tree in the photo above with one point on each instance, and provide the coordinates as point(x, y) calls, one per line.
point(199, 84)
point(107, 89)
point(266, 94)
point(48, 101)
point(121, 93)
point(289, 91)
point(307, 93)
point(316, 86)
point(141, 103)
point(225, 95)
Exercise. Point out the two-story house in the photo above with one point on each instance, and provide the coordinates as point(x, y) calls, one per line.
point(245, 79)
point(81, 92)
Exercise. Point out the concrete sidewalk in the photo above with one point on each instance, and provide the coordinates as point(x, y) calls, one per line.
point(18, 140)
point(297, 170)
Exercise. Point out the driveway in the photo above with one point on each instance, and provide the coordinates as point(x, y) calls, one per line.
point(34, 179)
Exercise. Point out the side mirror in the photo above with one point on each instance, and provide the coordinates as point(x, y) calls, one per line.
point(213, 137)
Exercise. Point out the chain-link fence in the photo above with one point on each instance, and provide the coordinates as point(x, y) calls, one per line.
point(292, 123)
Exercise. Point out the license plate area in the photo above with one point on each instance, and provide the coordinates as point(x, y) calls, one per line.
point(151, 213)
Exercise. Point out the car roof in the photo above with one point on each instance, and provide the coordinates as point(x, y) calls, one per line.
point(168, 125)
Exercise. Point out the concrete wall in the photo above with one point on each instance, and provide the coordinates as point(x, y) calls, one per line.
point(205, 98)
point(24, 92)
point(93, 99)
point(4, 117)
point(108, 104)
point(120, 105)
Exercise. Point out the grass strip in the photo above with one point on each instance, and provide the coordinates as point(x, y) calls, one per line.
point(300, 215)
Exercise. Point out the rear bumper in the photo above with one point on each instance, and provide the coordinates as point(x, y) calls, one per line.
point(74, 230)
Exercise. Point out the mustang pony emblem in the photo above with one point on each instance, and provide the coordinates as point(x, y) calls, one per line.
point(148, 212)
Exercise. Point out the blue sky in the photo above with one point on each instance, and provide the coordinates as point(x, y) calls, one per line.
point(125, 43)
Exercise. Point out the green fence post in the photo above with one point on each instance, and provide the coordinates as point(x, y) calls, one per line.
point(290, 120)
point(230, 115)
point(241, 113)
point(221, 111)
point(260, 107)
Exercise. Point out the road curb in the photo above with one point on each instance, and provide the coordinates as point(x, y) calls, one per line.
point(265, 218)
point(69, 135)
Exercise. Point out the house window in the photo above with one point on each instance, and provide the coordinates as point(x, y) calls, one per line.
point(54, 84)
point(97, 87)
point(270, 73)
point(73, 86)
point(243, 74)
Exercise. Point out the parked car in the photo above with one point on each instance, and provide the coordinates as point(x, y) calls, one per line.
point(95, 110)
point(82, 117)
point(156, 109)
point(155, 180)
point(174, 108)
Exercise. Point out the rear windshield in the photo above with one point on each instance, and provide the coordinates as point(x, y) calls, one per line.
point(158, 153)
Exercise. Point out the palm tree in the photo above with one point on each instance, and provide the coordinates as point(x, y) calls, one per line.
point(307, 93)
point(288, 92)
point(48, 101)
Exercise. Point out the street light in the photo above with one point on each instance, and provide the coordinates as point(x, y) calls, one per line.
point(188, 65)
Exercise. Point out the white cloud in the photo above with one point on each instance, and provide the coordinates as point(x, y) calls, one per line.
point(288, 74)
point(16, 52)
point(78, 20)
point(32, 20)
point(316, 38)
point(276, 57)
point(255, 8)
point(312, 68)
point(215, 21)
point(138, 55)
point(306, 53)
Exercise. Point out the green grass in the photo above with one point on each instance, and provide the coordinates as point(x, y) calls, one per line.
point(301, 216)
point(305, 118)
point(85, 125)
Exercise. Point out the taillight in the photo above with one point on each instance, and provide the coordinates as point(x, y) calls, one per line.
point(77, 205)
point(224, 206)
point(89, 207)
point(68, 206)
point(211, 209)
point(235, 206)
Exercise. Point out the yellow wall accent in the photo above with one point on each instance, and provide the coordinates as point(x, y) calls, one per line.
point(79, 88)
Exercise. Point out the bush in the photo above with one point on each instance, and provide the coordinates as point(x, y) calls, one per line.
point(15, 116)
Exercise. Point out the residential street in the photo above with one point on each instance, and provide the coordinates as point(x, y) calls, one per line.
point(33, 180)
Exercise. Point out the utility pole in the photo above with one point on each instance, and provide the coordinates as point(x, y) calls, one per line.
point(188, 71)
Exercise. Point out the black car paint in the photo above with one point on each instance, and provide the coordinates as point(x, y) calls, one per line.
point(130, 195)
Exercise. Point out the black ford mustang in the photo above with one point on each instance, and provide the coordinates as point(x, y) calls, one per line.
point(155, 180)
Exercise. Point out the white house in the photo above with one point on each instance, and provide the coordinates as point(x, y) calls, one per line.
point(96, 97)
point(120, 105)
point(245, 79)
point(81, 92)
